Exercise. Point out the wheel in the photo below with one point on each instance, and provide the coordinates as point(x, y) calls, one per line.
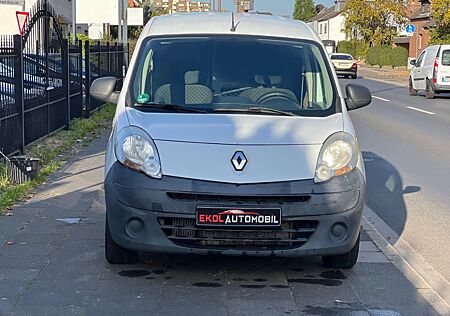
point(344, 261)
point(412, 91)
point(430, 94)
point(354, 76)
point(114, 253)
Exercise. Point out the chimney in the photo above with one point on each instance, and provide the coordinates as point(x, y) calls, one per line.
point(339, 5)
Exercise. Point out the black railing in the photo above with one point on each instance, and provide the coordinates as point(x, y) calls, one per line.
point(105, 59)
point(44, 87)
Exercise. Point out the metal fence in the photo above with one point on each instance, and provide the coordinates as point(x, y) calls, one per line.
point(45, 81)
point(105, 59)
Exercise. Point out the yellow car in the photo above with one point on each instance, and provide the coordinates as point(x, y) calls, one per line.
point(345, 65)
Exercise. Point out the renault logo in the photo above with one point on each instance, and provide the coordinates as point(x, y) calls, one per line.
point(239, 161)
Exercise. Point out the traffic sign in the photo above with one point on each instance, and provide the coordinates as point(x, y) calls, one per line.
point(22, 19)
point(410, 28)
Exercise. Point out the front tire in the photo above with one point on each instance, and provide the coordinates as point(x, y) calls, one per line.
point(344, 261)
point(412, 91)
point(430, 93)
point(114, 253)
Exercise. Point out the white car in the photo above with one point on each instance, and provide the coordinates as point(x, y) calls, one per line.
point(232, 136)
point(431, 71)
point(345, 65)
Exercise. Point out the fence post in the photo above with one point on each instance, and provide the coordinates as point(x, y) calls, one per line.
point(18, 85)
point(66, 78)
point(108, 57)
point(87, 80)
point(80, 74)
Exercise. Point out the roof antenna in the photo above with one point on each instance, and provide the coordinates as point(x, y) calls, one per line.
point(233, 24)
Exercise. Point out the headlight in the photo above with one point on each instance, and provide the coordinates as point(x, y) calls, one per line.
point(136, 150)
point(338, 156)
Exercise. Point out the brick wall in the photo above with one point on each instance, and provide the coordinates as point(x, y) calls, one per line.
point(419, 41)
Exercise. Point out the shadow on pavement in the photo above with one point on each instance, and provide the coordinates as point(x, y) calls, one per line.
point(386, 191)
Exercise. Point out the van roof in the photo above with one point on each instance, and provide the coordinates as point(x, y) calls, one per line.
point(220, 23)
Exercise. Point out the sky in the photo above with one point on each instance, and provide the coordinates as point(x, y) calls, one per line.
point(277, 7)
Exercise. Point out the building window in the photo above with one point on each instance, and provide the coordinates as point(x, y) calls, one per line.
point(320, 29)
point(420, 41)
point(325, 29)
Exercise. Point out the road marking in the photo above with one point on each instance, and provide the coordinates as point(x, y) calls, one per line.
point(429, 283)
point(379, 98)
point(420, 110)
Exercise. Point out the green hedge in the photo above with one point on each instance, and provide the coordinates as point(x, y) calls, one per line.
point(355, 48)
point(399, 56)
point(387, 56)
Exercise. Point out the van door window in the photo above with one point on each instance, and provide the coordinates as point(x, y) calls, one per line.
point(446, 58)
point(420, 59)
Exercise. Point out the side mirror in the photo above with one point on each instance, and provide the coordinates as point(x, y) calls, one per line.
point(104, 90)
point(357, 96)
point(413, 62)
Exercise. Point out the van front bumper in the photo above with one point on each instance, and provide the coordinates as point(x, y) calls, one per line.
point(151, 215)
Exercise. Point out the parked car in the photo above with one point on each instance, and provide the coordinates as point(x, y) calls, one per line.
point(431, 71)
point(228, 148)
point(345, 65)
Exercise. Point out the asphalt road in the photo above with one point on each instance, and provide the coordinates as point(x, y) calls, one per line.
point(406, 147)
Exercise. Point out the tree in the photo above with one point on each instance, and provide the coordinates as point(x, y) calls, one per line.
point(440, 10)
point(304, 10)
point(374, 20)
point(151, 11)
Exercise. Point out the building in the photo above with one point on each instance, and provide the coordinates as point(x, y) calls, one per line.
point(179, 6)
point(8, 14)
point(420, 16)
point(94, 18)
point(244, 5)
point(329, 23)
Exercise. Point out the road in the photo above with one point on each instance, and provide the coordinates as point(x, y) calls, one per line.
point(406, 147)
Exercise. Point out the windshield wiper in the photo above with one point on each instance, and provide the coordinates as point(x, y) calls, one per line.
point(255, 110)
point(169, 107)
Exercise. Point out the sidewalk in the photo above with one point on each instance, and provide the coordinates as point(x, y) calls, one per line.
point(52, 263)
point(387, 74)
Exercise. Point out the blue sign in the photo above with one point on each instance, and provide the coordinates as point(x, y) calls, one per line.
point(410, 28)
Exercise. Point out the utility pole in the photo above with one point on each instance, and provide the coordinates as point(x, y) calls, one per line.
point(219, 5)
point(119, 24)
point(74, 22)
point(125, 22)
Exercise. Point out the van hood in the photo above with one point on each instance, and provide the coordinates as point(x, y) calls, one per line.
point(236, 129)
point(202, 146)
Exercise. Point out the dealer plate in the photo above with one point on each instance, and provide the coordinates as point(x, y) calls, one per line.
point(249, 217)
point(445, 79)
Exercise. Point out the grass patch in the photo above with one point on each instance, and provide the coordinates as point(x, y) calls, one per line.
point(49, 151)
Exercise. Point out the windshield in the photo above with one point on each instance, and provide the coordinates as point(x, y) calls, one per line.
point(219, 74)
point(342, 57)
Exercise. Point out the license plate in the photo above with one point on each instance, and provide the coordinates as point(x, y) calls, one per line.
point(446, 79)
point(250, 217)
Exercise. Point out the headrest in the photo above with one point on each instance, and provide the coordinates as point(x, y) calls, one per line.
point(191, 77)
point(273, 80)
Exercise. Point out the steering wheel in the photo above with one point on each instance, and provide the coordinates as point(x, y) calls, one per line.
point(274, 95)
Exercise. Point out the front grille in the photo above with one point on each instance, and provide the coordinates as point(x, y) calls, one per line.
point(184, 232)
point(210, 198)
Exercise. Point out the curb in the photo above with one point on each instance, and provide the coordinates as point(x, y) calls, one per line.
point(432, 286)
point(403, 85)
